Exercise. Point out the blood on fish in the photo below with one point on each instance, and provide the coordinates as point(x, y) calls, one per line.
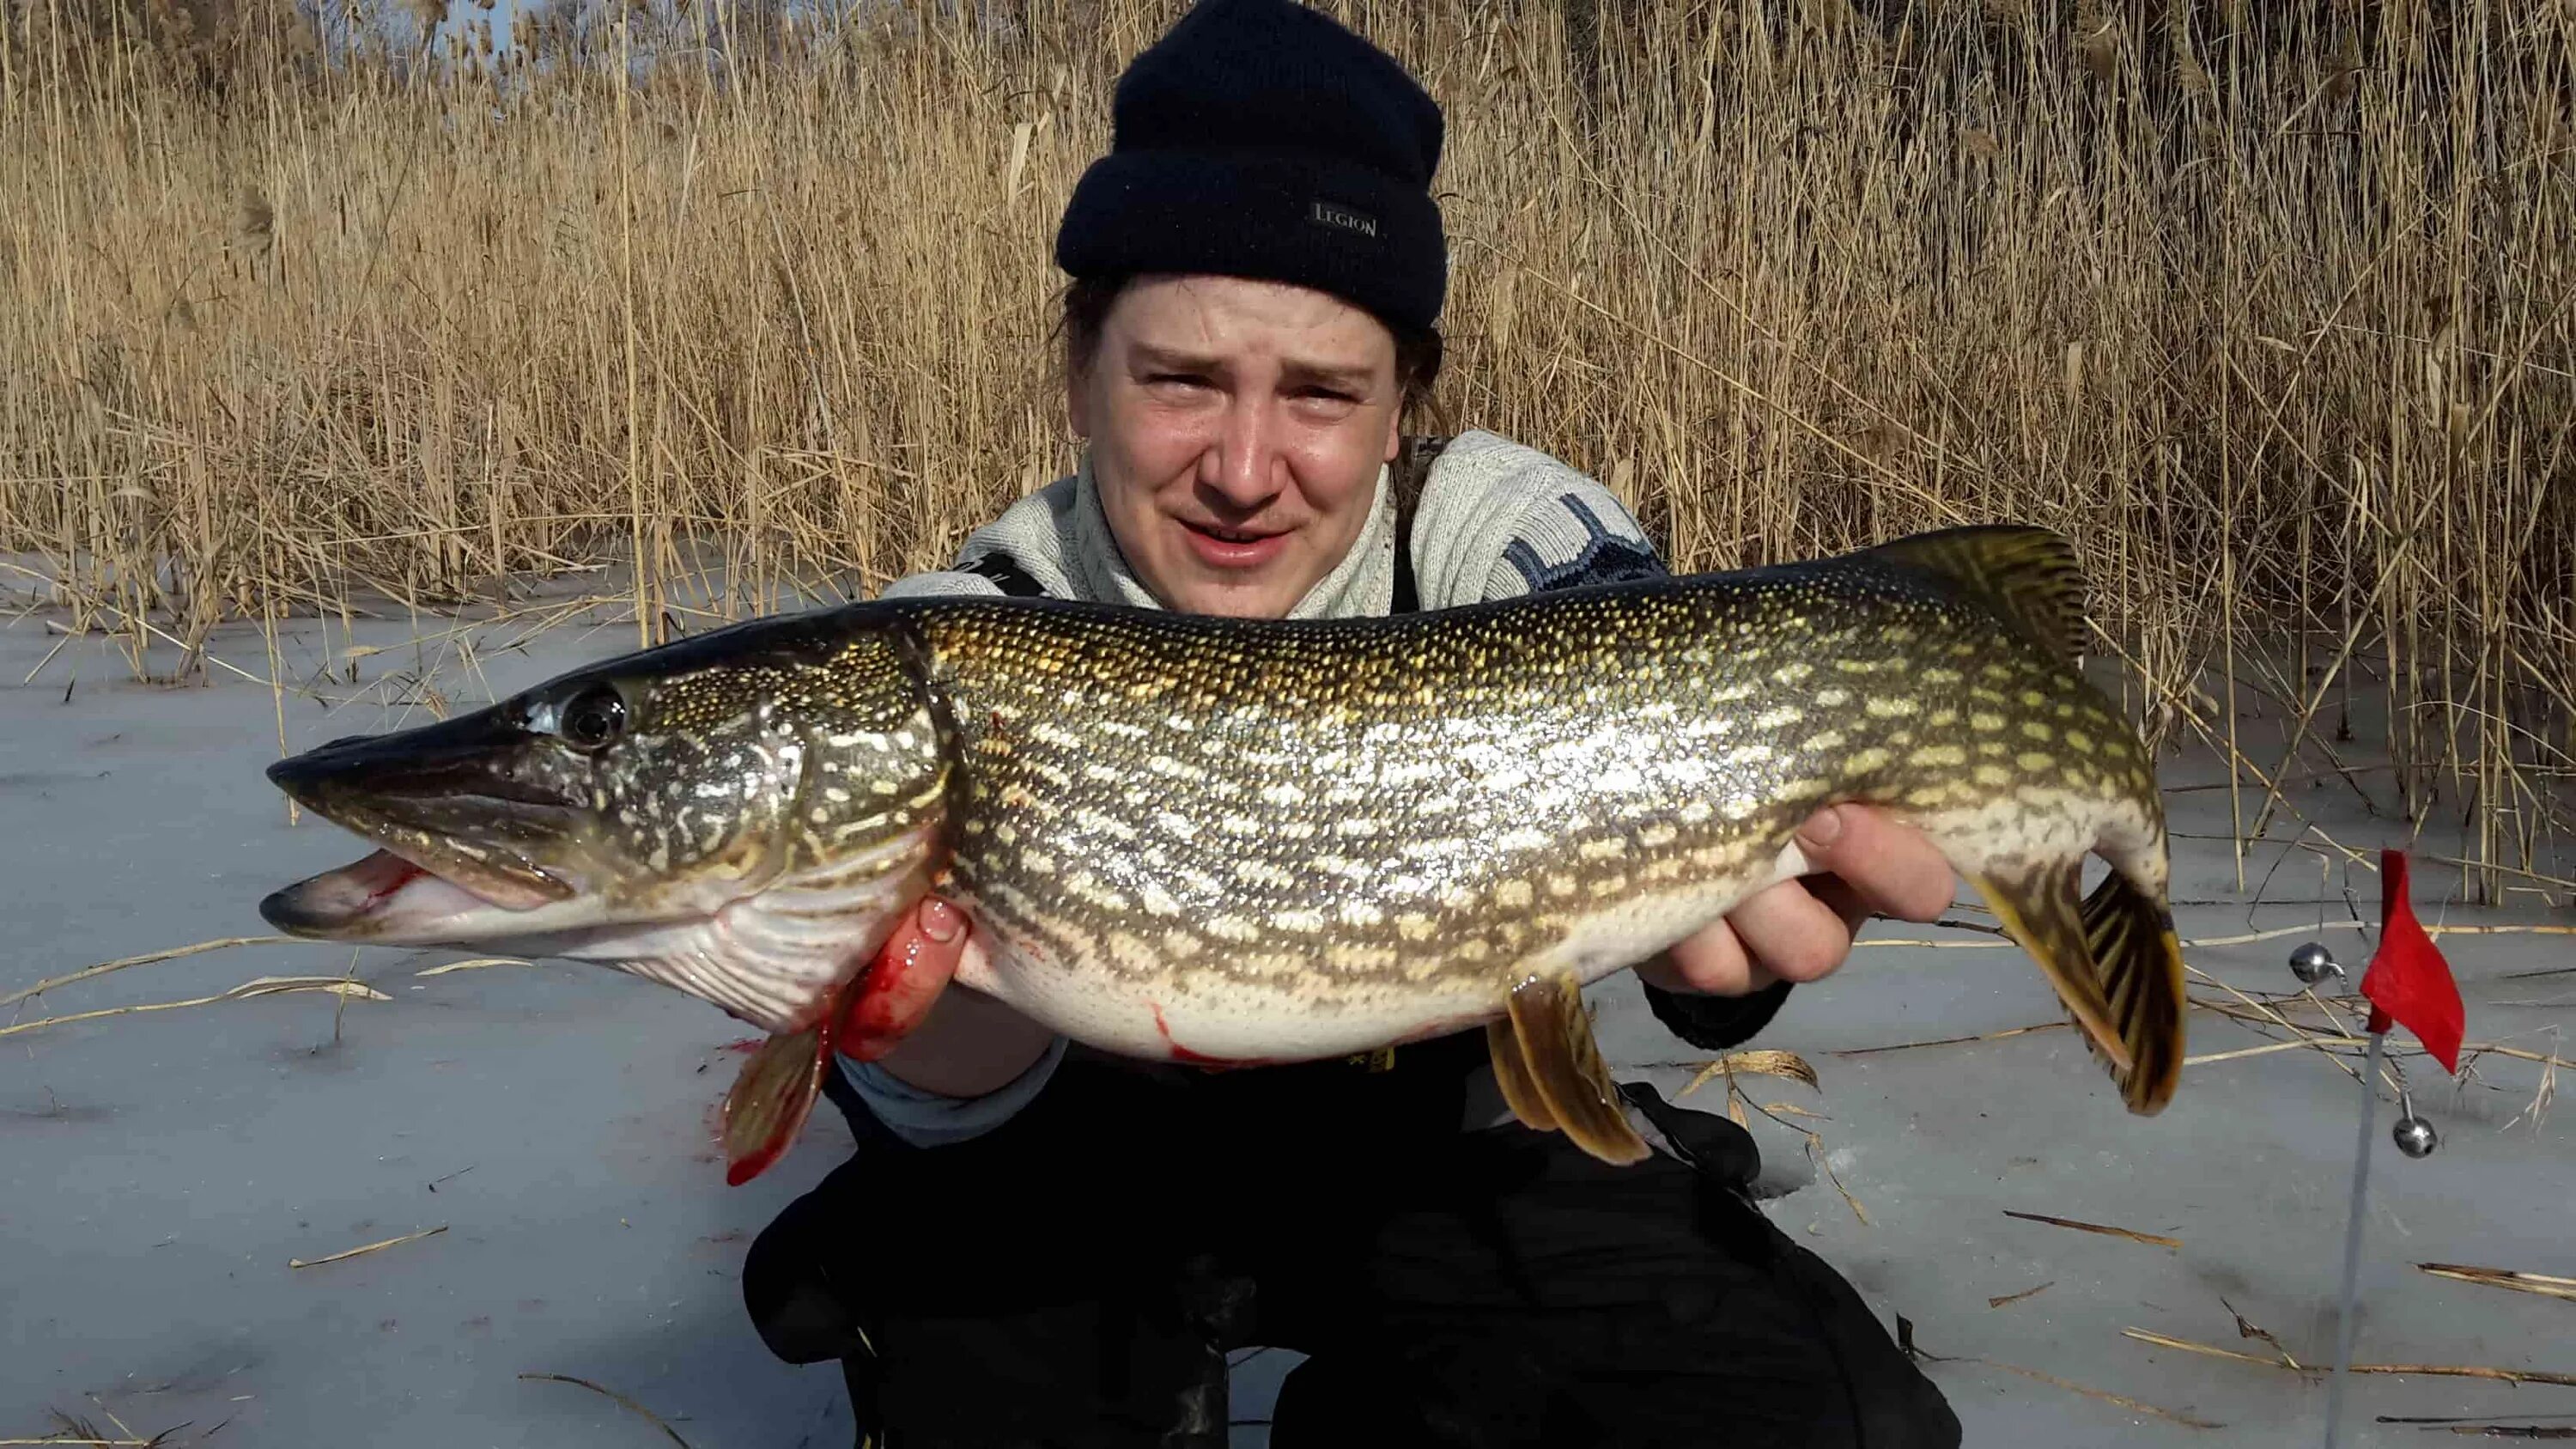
point(1188, 1058)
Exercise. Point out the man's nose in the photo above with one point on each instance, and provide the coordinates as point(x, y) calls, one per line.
point(1242, 466)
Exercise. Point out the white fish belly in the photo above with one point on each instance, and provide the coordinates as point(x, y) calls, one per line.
point(1183, 1014)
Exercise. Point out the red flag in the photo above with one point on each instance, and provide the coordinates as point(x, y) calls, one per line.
point(2408, 980)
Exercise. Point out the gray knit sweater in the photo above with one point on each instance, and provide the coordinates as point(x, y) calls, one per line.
point(1494, 519)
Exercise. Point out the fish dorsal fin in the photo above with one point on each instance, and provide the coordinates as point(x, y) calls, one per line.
point(2028, 575)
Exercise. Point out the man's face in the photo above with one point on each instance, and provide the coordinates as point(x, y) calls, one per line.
point(1236, 431)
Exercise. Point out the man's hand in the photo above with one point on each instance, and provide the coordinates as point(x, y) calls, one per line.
point(1801, 930)
point(965, 1043)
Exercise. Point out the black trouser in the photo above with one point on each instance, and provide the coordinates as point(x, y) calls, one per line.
point(1077, 1276)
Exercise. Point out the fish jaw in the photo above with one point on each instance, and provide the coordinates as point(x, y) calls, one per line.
point(773, 956)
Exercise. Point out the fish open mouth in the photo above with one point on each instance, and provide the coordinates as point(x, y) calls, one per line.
point(388, 896)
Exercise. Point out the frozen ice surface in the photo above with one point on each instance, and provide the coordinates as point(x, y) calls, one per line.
point(160, 1170)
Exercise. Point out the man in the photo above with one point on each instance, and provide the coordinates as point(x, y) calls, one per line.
point(1037, 1244)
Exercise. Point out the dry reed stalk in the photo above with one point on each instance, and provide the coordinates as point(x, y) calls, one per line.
point(224, 943)
point(622, 1401)
point(2520, 1282)
point(2153, 1239)
point(2272, 322)
point(336, 986)
point(2465, 1371)
point(366, 1248)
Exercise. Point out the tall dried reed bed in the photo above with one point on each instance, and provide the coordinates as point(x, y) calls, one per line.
point(2269, 306)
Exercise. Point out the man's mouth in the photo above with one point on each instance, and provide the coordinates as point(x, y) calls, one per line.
point(1228, 546)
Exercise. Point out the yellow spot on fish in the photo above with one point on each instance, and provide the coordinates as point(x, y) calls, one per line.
point(1233, 928)
point(1939, 674)
point(1864, 761)
point(1888, 706)
point(1038, 862)
point(1655, 837)
point(1157, 901)
point(1512, 893)
point(1775, 718)
point(1304, 923)
point(2034, 761)
point(1361, 913)
point(1563, 885)
point(1089, 887)
point(1829, 740)
point(1360, 958)
point(1181, 945)
point(2033, 729)
point(1993, 775)
point(1833, 698)
point(1984, 722)
point(1607, 848)
point(1791, 673)
point(1282, 794)
point(2033, 699)
point(1413, 926)
point(2079, 742)
point(1937, 757)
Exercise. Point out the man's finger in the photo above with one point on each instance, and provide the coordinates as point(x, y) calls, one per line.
point(1893, 868)
point(895, 994)
point(1711, 963)
point(1788, 932)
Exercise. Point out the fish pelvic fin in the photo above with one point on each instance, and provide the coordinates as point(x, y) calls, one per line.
point(1566, 1069)
point(2040, 912)
point(772, 1098)
point(1512, 1073)
point(2139, 961)
point(2028, 575)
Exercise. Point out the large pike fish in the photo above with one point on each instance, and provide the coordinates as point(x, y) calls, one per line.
point(1224, 841)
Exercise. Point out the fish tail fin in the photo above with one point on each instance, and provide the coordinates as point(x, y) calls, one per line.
point(1512, 1074)
point(2040, 911)
point(1565, 1072)
point(2131, 938)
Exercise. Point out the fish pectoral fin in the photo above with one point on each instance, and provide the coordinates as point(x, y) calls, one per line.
point(1512, 1073)
point(1566, 1070)
point(2139, 961)
point(2028, 575)
point(2039, 910)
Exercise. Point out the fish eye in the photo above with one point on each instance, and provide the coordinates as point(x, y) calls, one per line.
point(592, 719)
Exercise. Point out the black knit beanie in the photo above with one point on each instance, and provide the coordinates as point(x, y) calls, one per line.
point(1261, 139)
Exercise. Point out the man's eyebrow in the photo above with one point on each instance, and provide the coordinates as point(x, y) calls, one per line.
point(1348, 378)
point(1173, 359)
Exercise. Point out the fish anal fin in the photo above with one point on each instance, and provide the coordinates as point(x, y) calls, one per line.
point(2040, 912)
point(2139, 962)
point(1566, 1068)
point(1511, 1072)
point(2028, 575)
